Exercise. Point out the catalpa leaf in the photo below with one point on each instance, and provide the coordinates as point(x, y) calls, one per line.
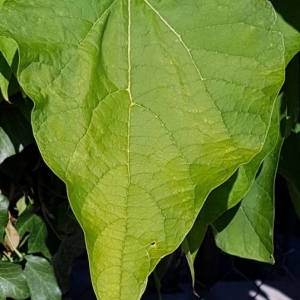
point(249, 233)
point(228, 194)
point(247, 230)
point(143, 108)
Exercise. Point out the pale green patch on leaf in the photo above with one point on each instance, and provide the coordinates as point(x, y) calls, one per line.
point(12, 281)
point(235, 188)
point(40, 278)
point(142, 114)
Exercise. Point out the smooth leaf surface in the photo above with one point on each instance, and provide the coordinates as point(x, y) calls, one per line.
point(249, 233)
point(159, 112)
point(40, 278)
point(29, 222)
point(4, 203)
point(12, 282)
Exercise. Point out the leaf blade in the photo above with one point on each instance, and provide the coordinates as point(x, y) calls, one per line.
point(13, 282)
point(132, 159)
point(40, 278)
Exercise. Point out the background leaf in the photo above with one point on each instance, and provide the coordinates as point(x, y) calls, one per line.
point(192, 243)
point(4, 203)
point(29, 222)
point(6, 146)
point(159, 114)
point(12, 281)
point(40, 278)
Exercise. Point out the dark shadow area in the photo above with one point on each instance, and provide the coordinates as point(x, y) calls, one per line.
point(289, 10)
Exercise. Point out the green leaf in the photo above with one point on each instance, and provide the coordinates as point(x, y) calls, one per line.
point(40, 278)
point(288, 21)
point(7, 53)
point(234, 189)
point(164, 100)
point(12, 281)
point(29, 222)
point(6, 146)
point(4, 203)
point(228, 195)
point(5, 73)
point(247, 230)
point(192, 243)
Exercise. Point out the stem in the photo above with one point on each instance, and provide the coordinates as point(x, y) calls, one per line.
point(12, 245)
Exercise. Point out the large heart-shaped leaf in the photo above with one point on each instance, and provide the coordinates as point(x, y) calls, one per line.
point(142, 108)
